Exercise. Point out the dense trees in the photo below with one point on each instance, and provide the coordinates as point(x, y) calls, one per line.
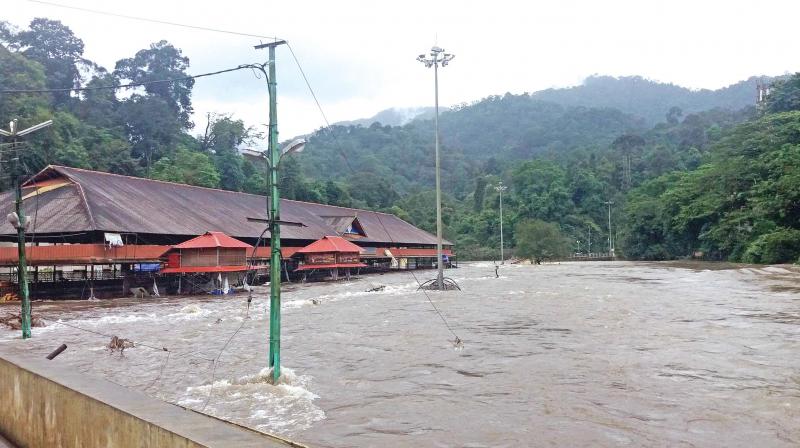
point(539, 240)
point(743, 204)
point(721, 181)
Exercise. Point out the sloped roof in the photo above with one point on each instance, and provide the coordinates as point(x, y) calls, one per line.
point(96, 201)
point(213, 240)
point(330, 244)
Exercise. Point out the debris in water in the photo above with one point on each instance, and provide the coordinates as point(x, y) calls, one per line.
point(219, 321)
point(119, 344)
point(377, 288)
point(458, 344)
point(316, 301)
point(14, 321)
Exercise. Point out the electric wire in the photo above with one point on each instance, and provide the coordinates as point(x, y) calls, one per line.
point(146, 19)
point(319, 106)
point(132, 84)
point(216, 360)
point(136, 343)
point(457, 341)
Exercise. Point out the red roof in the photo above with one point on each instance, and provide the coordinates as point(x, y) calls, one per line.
point(308, 267)
point(330, 244)
point(82, 254)
point(212, 240)
point(197, 269)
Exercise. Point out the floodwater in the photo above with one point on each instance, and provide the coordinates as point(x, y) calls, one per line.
point(574, 354)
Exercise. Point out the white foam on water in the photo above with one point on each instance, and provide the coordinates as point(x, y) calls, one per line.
point(193, 308)
point(388, 290)
point(287, 405)
point(294, 304)
point(116, 319)
point(776, 270)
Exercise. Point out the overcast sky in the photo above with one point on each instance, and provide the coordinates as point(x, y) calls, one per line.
point(359, 56)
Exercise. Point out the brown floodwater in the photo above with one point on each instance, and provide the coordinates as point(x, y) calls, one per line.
point(576, 354)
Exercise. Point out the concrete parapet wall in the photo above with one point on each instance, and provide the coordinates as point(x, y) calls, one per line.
point(44, 404)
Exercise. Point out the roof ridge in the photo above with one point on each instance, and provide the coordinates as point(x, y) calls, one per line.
point(178, 184)
point(84, 170)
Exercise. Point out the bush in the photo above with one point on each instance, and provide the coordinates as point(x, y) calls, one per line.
point(537, 239)
point(779, 246)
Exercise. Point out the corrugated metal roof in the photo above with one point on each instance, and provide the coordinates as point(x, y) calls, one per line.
point(213, 240)
point(330, 244)
point(115, 203)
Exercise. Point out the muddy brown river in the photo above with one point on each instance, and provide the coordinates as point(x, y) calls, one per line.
point(574, 354)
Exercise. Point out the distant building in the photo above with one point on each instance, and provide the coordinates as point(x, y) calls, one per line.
point(89, 226)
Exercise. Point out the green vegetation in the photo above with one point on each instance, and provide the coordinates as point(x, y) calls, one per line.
point(538, 240)
point(688, 171)
point(742, 204)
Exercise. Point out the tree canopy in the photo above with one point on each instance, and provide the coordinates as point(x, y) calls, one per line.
point(687, 171)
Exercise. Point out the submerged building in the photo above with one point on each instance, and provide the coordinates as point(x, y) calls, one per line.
point(116, 232)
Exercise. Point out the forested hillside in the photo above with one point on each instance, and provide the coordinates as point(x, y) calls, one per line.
point(651, 100)
point(686, 171)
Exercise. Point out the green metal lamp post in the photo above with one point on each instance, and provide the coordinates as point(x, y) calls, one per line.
point(274, 155)
point(19, 221)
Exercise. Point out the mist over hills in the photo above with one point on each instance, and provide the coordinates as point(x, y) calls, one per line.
point(651, 100)
point(635, 95)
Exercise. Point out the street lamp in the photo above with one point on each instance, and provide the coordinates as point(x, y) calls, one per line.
point(610, 249)
point(501, 188)
point(274, 207)
point(18, 220)
point(437, 57)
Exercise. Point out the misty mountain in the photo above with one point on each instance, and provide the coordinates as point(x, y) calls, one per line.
point(396, 116)
point(651, 100)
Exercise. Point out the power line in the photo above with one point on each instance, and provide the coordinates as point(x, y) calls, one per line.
point(319, 106)
point(133, 84)
point(457, 341)
point(308, 84)
point(146, 19)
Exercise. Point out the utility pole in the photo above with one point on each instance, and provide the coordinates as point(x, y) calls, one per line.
point(590, 240)
point(610, 249)
point(274, 218)
point(19, 221)
point(501, 188)
point(438, 56)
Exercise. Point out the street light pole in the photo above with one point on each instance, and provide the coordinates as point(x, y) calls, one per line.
point(19, 221)
point(501, 188)
point(274, 217)
point(437, 56)
point(610, 249)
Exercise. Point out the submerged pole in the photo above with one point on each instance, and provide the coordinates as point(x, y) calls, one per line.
point(275, 229)
point(22, 267)
point(440, 265)
point(274, 204)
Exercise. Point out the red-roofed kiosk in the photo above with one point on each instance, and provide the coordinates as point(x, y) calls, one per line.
point(331, 253)
point(213, 252)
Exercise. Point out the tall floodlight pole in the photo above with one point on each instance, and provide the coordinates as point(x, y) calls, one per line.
point(501, 188)
point(19, 221)
point(609, 204)
point(590, 241)
point(274, 217)
point(437, 56)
